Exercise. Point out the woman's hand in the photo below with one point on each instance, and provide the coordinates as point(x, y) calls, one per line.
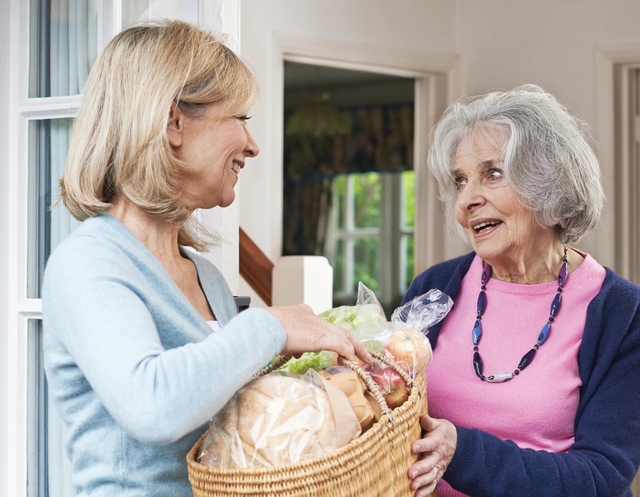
point(306, 332)
point(436, 448)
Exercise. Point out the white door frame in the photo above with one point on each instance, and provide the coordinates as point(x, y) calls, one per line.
point(437, 84)
point(607, 59)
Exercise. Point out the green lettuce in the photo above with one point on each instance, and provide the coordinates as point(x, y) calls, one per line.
point(350, 316)
point(309, 360)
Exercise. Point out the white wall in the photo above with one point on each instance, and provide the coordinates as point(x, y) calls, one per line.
point(501, 43)
point(504, 43)
point(4, 267)
point(424, 26)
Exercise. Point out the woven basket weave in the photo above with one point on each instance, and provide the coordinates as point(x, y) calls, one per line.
point(375, 464)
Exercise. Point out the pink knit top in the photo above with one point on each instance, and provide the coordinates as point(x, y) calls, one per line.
point(537, 408)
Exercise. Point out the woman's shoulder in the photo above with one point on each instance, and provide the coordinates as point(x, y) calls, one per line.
point(616, 288)
point(98, 242)
point(445, 270)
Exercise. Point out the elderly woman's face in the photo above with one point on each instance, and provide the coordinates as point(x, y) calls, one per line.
point(488, 210)
point(215, 147)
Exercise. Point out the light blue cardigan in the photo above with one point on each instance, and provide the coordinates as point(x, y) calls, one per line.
point(134, 370)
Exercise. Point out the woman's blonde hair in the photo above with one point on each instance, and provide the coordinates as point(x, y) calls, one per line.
point(120, 142)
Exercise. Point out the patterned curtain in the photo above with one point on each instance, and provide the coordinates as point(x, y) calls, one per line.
point(380, 139)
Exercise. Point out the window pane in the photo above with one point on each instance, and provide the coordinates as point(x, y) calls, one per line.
point(338, 267)
point(48, 466)
point(408, 199)
point(63, 46)
point(366, 263)
point(48, 145)
point(366, 194)
point(340, 193)
point(406, 263)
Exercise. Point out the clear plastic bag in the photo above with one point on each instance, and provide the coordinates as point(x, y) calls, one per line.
point(424, 311)
point(274, 420)
point(404, 338)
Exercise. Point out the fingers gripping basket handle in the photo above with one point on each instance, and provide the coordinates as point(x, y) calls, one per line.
point(371, 385)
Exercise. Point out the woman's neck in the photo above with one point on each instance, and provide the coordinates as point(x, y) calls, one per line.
point(158, 235)
point(534, 266)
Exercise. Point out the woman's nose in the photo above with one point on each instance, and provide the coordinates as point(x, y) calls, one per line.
point(470, 197)
point(252, 149)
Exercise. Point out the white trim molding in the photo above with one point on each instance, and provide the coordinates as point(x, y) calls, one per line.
point(437, 79)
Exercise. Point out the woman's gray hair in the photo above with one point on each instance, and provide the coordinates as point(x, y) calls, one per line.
point(548, 160)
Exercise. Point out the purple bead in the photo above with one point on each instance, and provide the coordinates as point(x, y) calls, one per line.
point(477, 363)
point(555, 305)
point(544, 333)
point(526, 359)
point(482, 302)
point(477, 332)
point(486, 274)
point(562, 275)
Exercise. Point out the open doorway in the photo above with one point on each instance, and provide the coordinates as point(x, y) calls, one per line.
point(348, 176)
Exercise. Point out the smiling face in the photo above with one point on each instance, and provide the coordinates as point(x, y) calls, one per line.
point(497, 224)
point(214, 147)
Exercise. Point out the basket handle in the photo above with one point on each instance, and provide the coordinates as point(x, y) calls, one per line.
point(273, 365)
point(371, 385)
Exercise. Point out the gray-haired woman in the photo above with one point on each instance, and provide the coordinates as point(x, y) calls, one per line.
point(142, 340)
point(533, 390)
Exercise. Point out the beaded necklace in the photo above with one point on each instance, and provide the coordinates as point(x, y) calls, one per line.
point(544, 333)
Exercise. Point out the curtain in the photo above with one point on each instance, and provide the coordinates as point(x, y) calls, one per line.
point(380, 139)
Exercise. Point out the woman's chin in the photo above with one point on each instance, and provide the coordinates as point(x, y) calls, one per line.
point(486, 251)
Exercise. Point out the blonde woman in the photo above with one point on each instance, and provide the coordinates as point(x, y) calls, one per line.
point(142, 340)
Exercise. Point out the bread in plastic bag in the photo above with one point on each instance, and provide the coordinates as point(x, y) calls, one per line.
point(274, 420)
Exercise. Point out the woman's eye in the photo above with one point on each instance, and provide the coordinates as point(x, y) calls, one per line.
point(495, 174)
point(460, 183)
point(244, 118)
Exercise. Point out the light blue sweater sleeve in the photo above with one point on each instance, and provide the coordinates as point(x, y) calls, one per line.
point(120, 333)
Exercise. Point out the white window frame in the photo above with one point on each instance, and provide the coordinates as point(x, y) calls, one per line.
point(20, 308)
point(390, 233)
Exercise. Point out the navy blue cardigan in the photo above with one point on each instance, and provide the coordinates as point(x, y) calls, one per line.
point(606, 454)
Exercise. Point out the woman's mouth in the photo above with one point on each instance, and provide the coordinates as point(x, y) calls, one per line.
point(235, 167)
point(485, 226)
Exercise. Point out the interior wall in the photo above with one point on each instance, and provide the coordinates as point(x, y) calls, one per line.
point(551, 43)
point(501, 44)
point(425, 26)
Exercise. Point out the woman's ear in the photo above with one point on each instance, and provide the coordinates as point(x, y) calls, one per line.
point(175, 125)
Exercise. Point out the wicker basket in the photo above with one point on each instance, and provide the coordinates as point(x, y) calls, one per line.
point(375, 464)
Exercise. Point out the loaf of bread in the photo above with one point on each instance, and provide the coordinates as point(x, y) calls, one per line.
point(272, 421)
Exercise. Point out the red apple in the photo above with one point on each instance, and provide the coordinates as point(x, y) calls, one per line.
point(393, 387)
point(410, 350)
